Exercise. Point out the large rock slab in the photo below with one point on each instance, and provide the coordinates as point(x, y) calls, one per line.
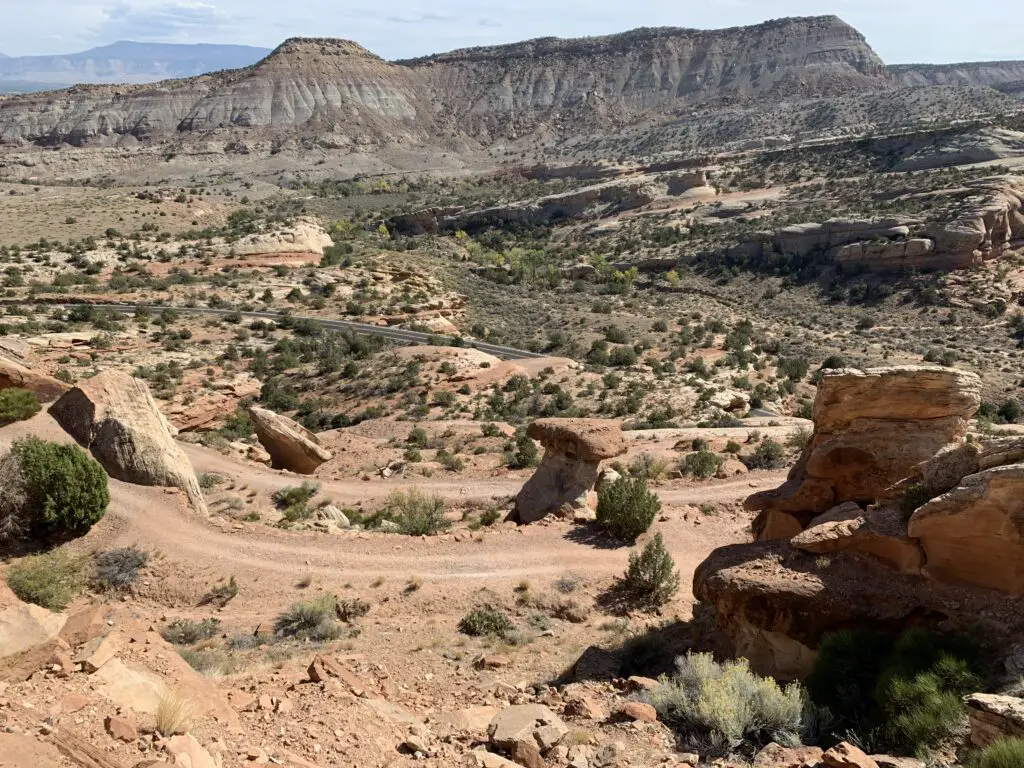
point(24, 626)
point(994, 717)
point(291, 446)
point(871, 430)
point(46, 388)
point(773, 604)
point(975, 533)
point(116, 418)
point(569, 470)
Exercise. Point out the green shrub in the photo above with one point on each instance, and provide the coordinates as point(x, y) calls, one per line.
point(525, 454)
point(768, 455)
point(485, 620)
point(450, 461)
point(189, 632)
point(17, 405)
point(904, 693)
point(800, 438)
point(310, 620)
point(490, 517)
point(651, 576)
point(417, 438)
point(292, 495)
point(733, 447)
point(416, 513)
point(118, 569)
point(65, 490)
point(1005, 753)
point(702, 464)
point(718, 709)
point(648, 466)
point(626, 508)
point(52, 580)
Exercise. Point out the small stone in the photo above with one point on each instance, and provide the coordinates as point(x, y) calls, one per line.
point(845, 755)
point(121, 728)
point(73, 702)
point(638, 683)
point(99, 651)
point(689, 758)
point(527, 754)
point(637, 710)
point(493, 661)
point(266, 703)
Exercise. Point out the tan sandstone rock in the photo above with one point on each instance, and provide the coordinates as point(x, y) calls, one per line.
point(291, 446)
point(975, 533)
point(528, 725)
point(994, 717)
point(24, 626)
point(46, 388)
point(877, 532)
point(573, 451)
point(872, 428)
point(845, 755)
point(116, 418)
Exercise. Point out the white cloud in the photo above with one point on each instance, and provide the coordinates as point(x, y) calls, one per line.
point(165, 22)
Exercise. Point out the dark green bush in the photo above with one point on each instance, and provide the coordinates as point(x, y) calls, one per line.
point(651, 576)
point(903, 693)
point(702, 464)
point(768, 455)
point(485, 620)
point(17, 405)
point(626, 508)
point(1005, 753)
point(65, 489)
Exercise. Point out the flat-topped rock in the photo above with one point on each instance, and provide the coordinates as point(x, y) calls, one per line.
point(584, 439)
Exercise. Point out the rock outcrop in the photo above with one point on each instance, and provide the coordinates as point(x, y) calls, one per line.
point(291, 446)
point(975, 533)
point(46, 388)
point(989, 222)
point(994, 717)
point(991, 73)
point(302, 236)
point(871, 429)
point(116, 418)
point(569, 470)
point(343, 96)
point(926, 529)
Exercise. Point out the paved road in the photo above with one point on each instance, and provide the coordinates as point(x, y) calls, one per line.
point(395, 334)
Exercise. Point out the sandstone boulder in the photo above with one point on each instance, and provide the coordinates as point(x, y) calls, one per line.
point(24, 626)
point(994, 717)
point(871, 430)
point(291, 446)
point(116, 418)
point(303, 236)
point(975, 532)
point(526, 728)
point(773, 604)
point(880, 532)
point(46, 388)
point(573, 451)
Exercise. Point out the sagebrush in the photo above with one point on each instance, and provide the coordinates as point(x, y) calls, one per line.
point(626, 508)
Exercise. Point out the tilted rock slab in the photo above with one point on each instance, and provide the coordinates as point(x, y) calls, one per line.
point(975, 533)
point(116, 418)
point(46, 388)
point(291, 446)
point(871, 430)
point(573, 451)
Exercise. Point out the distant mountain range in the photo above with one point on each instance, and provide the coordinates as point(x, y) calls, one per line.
point(123, 62)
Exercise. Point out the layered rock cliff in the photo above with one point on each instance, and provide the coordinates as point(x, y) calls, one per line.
point(509, 88)
point(990, 73)
point(336, 87)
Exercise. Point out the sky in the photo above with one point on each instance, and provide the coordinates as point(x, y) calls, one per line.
point(901, 31)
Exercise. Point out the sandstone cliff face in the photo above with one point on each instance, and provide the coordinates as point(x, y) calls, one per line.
point(340, 89)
